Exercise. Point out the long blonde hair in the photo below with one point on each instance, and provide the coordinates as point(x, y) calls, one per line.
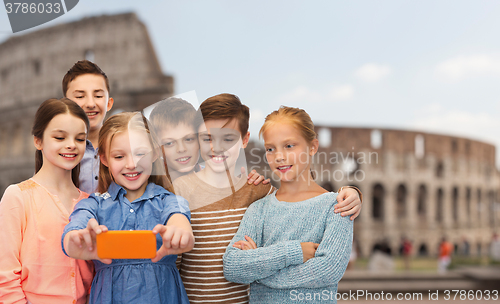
point(123, 122)
point(298, 118)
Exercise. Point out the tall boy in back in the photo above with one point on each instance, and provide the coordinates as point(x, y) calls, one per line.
point(218, 199)
point(87, 85)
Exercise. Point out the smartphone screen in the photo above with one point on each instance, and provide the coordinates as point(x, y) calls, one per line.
point(124, 244)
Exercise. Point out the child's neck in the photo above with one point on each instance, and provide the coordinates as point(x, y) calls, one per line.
point(94, 138)
point(176, 174)
point(55, 179)
point(299, 190)
point(132, 195)
point(218, 179)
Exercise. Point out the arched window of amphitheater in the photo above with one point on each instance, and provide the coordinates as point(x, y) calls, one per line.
point(491, 207)
point(422, 250)
point(468, 205)
point(419, 146)
point(455, 205)
point(421, 200)
point(89, 55)
point(376, 139)
point(401, 202)
point(440, 169)
point(378, 202)
point(479, 204)
point(325, 137)
point(439, 205)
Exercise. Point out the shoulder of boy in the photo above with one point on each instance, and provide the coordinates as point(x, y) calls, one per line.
point(263, 190)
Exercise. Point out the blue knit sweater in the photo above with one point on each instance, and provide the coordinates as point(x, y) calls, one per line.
point(276, 269)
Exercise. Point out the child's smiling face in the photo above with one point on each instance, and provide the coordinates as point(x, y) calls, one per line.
point(89, 91)
point(63, 142)
point(220, 144)
point(130, 160)
point(287, 152)
point(181, 147)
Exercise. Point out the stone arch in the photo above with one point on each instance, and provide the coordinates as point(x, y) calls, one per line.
point(421, 201)
point(401, 193)
point(454, 204)
point(479, 207)
point(468, 203)
point(378, 202)
point(439, 204)
point(422, 250)
point(440, 169)
point(491, 208)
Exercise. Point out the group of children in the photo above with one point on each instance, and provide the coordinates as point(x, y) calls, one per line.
point(225, 230)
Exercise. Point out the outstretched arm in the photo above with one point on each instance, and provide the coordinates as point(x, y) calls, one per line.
point(247, 266)
point(79, 235)
point(328, 265)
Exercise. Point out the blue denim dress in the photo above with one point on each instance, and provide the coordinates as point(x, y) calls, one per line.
point(133, 281)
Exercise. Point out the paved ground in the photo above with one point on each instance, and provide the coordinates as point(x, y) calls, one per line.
point(422, 288)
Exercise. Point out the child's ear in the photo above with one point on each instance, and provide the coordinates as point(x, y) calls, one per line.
point(103, 159)
point(111, 101)
point(245, 140)
point(37, 142)
point(314, 147)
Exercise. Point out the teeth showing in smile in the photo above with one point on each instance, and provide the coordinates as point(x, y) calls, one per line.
point(68, 155)
point(284, 167)
point(131, 175)
point(91, 113)
point(183, 159)
point(218, 158)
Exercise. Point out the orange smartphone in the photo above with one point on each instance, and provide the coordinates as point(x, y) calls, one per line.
point(125, 244)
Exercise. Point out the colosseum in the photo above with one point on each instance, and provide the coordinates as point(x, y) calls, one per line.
point(32, 67)
point(416, 185)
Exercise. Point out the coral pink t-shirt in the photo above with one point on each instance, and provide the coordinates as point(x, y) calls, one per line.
point(33, 267)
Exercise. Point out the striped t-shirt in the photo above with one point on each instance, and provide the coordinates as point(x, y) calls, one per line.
point(215, 217)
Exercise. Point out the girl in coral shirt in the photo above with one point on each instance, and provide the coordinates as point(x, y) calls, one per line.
point(33, 213)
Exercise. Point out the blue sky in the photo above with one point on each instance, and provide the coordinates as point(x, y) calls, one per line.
point(419, 65)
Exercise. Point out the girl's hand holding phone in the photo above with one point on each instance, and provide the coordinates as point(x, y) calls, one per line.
point(175, 240)
point(81, 244)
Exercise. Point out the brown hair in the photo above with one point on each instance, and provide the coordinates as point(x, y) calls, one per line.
point(82, 67)
point(171, 112)
point(298, 118)
point(225, 106)
point(121, 123)
point(49, 109)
